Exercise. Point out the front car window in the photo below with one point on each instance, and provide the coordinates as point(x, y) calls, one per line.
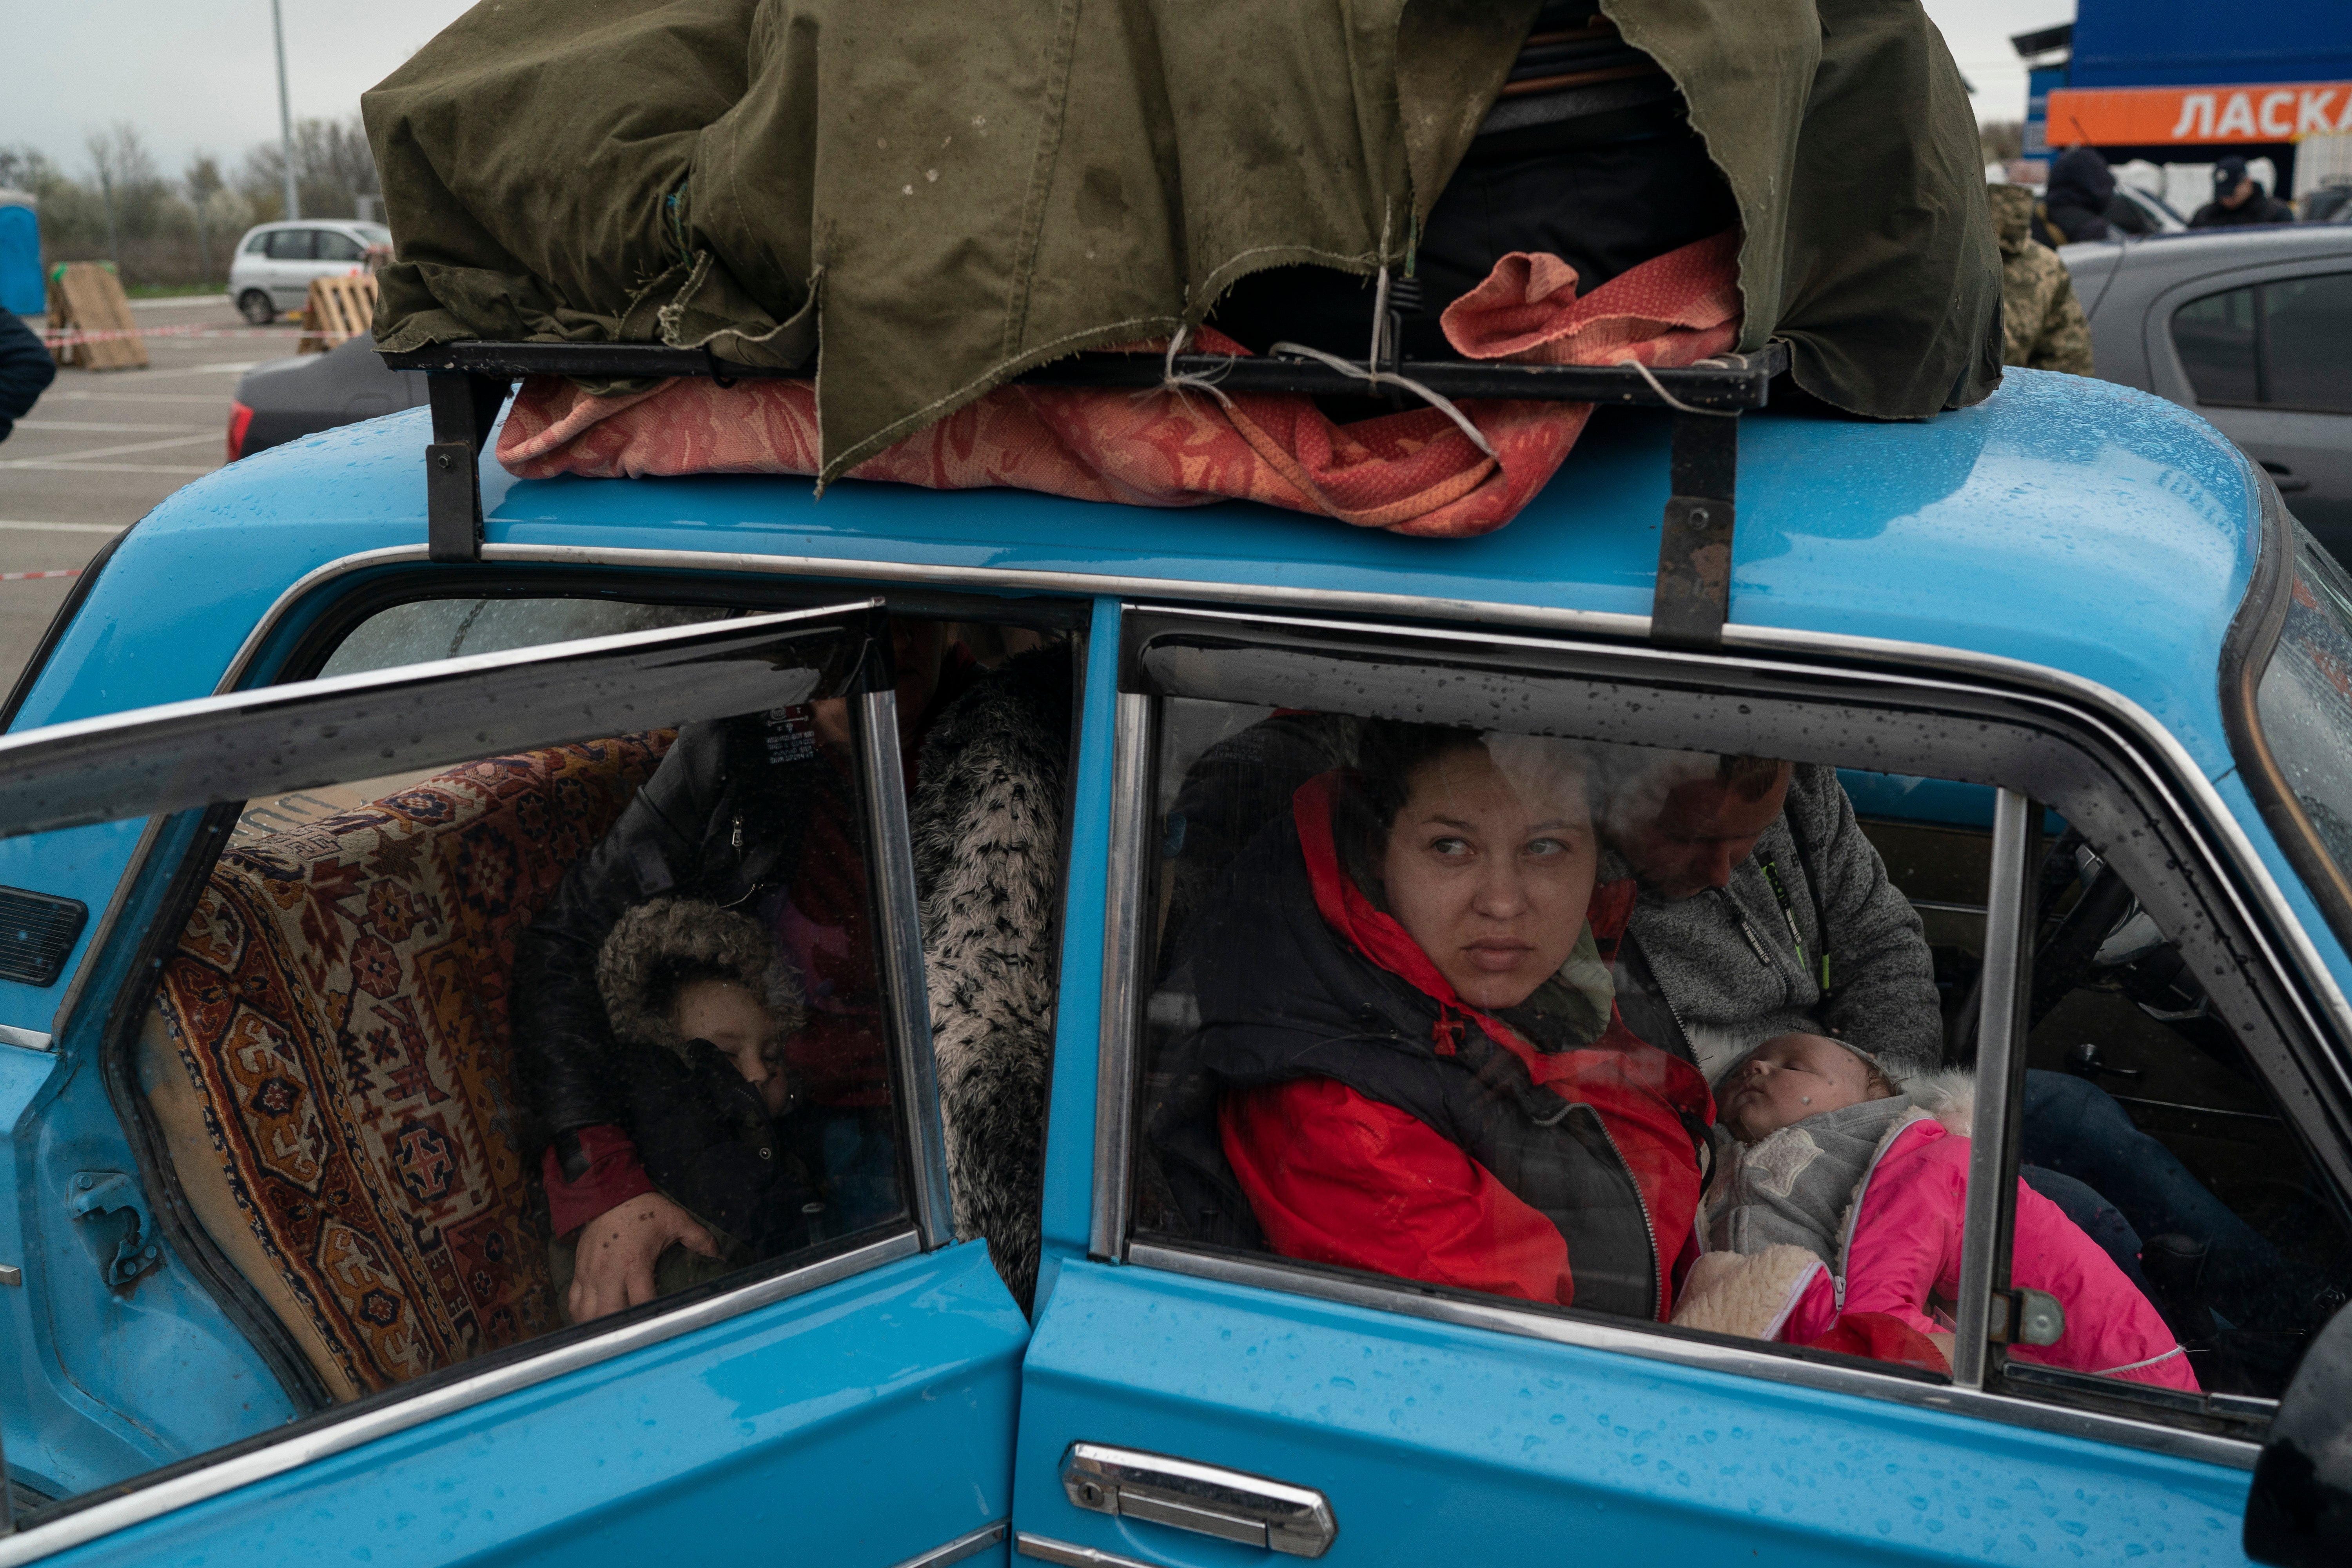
point(1591, 998)
point(2304, 701)
point(2215, 338)
point(2281, 343)
point(335, 246)
point(2308, 329)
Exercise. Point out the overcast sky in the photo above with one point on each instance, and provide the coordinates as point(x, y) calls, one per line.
point(197, 75)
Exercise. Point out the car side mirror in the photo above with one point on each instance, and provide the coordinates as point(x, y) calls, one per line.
point(2299, 1514)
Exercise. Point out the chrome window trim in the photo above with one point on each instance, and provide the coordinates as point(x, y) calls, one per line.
point(1703, 1355)
point(1133, 738)
point(1069, 1554)
point(891, 845)
point(1999, 1076)
point(328, 1434)
point(1068, 584)
point(969, 1545)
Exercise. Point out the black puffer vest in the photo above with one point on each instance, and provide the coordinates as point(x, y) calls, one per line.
point(1281, 996)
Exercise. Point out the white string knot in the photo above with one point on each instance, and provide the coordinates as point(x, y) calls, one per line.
point(1677, 403)
point(1170, 382)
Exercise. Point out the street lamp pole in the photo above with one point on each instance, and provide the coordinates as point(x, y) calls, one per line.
point(285, 113)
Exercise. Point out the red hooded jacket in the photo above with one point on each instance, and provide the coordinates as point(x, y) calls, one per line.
point(1335, 1176)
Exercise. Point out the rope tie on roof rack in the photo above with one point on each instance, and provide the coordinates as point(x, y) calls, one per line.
point(1677, 403)
point(1171, 382)
point(1436, 400)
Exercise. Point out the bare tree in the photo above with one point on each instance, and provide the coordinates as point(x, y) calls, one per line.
point(204, 184)
point(333, 167)
point(2001, 139)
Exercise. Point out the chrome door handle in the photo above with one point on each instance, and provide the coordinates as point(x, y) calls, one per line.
point(1227, 1504)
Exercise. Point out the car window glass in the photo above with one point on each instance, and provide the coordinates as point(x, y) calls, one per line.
point(428, 629)
point(1487, 1010)
point(2308, 323)
point(2304, 701)
point(2146, 1124)
point(416, 1032)
point(415, 1042)
point(2215, 339)
point(375, 233)
point(256, 245)
point(290, 244)
point(1732, 1086)
point(334, 246)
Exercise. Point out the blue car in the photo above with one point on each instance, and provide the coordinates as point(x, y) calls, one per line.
point(312, 792)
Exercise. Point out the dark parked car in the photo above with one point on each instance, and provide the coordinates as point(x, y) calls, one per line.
point(289, 397)
point(2253, 331)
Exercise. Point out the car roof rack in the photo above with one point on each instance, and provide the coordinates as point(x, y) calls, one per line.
point(468, 381)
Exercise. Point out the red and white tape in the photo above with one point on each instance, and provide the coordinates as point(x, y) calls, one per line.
point(35, 576)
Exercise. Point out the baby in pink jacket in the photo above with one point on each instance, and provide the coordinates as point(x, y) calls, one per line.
point(1836, 1221)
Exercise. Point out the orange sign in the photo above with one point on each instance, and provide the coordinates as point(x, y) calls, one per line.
point(2144, 116)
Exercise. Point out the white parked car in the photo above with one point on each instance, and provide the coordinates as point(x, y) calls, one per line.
point(275, 262)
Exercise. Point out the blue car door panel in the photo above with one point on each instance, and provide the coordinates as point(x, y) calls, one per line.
point(195, 1385)
point(1212, 1332)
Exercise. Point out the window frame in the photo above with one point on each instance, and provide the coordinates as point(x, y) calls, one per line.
point(177, 850)
point(2253, 641)
point(2216, 871)
point(2174, 300)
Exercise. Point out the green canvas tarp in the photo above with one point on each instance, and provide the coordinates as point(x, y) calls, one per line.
point(922, 200)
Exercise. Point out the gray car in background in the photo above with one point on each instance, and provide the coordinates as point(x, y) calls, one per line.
point(2253, 328)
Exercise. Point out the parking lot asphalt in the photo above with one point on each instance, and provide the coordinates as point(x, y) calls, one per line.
point(102, 447)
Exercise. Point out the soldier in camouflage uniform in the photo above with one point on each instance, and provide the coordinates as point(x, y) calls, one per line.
point(2042, 326)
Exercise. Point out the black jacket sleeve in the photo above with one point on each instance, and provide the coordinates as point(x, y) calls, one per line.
point(565, 1069)
point(26, 370)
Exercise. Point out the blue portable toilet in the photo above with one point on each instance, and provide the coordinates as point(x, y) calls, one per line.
point(21, 291)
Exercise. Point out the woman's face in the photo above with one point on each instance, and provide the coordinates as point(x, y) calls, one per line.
point(1489, 866)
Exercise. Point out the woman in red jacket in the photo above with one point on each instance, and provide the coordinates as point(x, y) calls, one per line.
point(1406, 1010)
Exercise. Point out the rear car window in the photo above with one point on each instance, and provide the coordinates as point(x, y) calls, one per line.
point(290, 245)
point(2215, 339)
point(2282, 343)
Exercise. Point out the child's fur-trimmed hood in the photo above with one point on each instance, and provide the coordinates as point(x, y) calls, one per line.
point(663, 943)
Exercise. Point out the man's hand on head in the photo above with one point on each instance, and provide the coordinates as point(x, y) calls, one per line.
point(618, 1251)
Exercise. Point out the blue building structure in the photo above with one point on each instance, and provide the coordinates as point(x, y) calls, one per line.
point(2125, 44)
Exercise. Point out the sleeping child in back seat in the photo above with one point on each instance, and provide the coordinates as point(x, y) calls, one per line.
point(701, 1003)
point(1836, 1220)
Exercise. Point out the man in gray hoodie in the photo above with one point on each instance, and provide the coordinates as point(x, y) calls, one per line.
point(1763, 910)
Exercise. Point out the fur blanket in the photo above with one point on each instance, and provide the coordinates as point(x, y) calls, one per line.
point(987, 818)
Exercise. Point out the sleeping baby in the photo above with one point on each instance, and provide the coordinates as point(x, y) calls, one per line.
point(1836, 1222)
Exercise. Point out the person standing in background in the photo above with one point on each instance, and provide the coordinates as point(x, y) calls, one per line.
point(2082, 188)
point(26, 370)
point(2042, 322)
point(2239, 198)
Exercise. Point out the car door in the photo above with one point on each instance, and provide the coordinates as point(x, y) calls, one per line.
point(2264, 357)
point(282, 1282)
point(1218, 1373)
